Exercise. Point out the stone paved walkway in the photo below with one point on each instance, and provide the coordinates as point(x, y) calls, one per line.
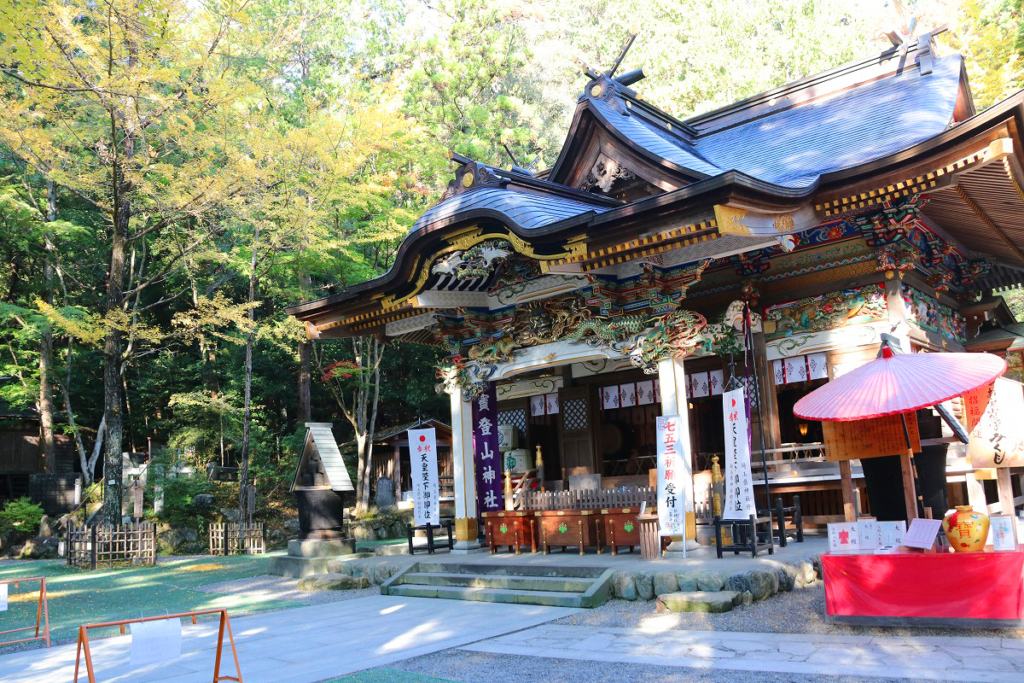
point(981, 660)
point(297, 645)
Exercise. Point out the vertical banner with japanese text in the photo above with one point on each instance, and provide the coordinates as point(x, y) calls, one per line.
point(423, 462)
point(673, 462)
point(489, 494)
point(739, 482)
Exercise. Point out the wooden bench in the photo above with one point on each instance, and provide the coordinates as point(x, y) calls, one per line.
point(429, 528)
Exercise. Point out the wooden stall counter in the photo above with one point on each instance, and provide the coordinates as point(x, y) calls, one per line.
point(512, 528)
point(974, 590)
point(568, 528)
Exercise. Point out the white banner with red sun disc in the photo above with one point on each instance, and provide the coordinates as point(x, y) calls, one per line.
point(423, 462)
point(739, 482)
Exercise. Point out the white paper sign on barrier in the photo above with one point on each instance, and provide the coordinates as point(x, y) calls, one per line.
point(423, 462)
point(155, 641)
point(739, 481)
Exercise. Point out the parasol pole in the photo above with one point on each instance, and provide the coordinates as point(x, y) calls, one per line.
point(908, 467)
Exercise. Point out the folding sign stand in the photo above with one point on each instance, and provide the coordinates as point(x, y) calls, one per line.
point(225, 625)
point(42, 614)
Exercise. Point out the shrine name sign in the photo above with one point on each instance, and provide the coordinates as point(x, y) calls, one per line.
point(869, 438)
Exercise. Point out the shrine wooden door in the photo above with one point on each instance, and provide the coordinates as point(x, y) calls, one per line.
point(575, 424)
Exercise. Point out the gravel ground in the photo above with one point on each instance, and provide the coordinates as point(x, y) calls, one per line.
point(475, 667)
point(281, 588)
point(800, 611)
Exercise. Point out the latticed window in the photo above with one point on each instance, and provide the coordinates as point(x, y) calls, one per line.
point(574, 414)
point(516, 418)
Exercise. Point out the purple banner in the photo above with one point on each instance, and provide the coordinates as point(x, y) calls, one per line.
point(489, 477)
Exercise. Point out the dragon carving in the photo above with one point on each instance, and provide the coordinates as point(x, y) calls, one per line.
point(675, 335)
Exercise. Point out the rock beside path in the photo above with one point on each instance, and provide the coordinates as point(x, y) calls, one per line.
point(332, 582)
point(698, 601)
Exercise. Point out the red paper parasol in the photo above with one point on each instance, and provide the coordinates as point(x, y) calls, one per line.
point(893, 384)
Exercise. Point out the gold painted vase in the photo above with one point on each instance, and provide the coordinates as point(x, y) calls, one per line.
point(966, 529)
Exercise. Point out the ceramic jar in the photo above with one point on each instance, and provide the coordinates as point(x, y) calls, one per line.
point(966, 529)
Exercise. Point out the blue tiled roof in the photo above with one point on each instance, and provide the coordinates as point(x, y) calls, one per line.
point(796, 146)
point(523, 208)
point(658, 143)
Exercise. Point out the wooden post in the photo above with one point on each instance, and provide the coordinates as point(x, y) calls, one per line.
point(850, 510)
point(1005, 491)
point(396, 471)
point(93, 562)
point(909, 489)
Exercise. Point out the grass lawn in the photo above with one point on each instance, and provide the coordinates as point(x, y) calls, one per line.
point(79, 596)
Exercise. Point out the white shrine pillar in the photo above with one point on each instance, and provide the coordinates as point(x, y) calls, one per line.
point(465, 474)
point(672, 381)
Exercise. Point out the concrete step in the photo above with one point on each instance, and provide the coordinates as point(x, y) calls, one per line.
point(547, 598)
point(520, 583)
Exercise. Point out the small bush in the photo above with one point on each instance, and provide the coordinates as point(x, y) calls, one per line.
point(20, 518)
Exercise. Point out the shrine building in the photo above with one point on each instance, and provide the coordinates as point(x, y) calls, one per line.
point(611, 288)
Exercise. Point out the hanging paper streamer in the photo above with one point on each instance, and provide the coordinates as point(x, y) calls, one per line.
point(610, 398)
point(645, 392)
point(627, 395)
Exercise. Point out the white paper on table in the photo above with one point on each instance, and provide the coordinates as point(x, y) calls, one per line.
point(3, 597)
point(867, 534)
point(843, 537)
point(922, 533)
point(891, 533)
point(1002, 530)
point(155, 641)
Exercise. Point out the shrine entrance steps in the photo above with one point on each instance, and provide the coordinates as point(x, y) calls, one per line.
point(524, 585)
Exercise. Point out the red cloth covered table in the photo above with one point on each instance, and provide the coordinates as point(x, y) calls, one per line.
point(928, 586)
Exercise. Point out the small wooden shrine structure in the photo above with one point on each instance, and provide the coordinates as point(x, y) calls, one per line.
point(611, 288)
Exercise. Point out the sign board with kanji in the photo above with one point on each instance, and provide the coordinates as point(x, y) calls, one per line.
point(490, 496)
point(994, 417)
point(739, 481)
point(423, 462)
point(673, 474)
point(869, 438)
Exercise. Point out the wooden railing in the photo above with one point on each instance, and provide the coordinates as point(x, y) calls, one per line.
point(110, 546)
point(589, 499)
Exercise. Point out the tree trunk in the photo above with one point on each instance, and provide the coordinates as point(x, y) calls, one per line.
point(46, 345)
point(243, 466)
point(305, 377)
point(305, 371)
point(368, 356)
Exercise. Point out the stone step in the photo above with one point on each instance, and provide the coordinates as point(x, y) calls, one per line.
point(297, 567)
point(547, 598)
point(449, 567)
point(321, 548)
point(521, 583)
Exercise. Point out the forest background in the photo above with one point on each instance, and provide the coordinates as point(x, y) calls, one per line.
point(174, 173)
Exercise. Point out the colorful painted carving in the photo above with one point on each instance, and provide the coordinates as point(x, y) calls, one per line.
point(828, 311)
point(478, 261)
point(675, 335)
point(893, 222)
point(927, 313)
point(895, 257)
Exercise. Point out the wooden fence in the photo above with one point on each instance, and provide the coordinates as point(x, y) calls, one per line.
point(111, 546)
point(590, 499)
point(237, 539)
